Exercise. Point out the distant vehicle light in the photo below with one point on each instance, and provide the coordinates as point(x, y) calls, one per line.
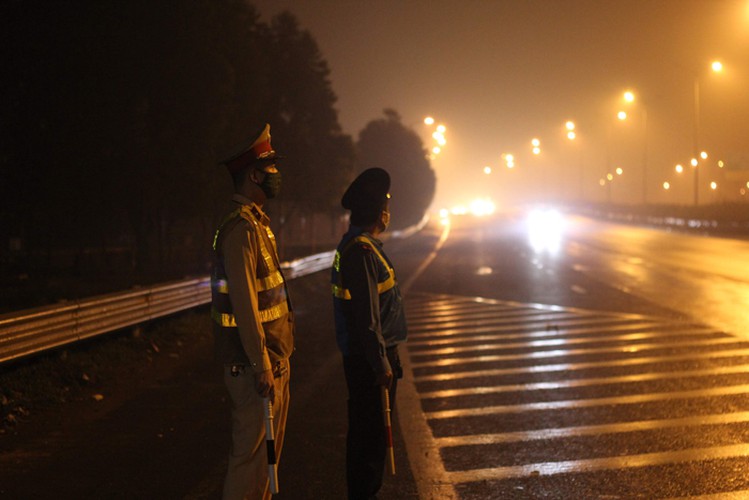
point(545, 229)
point(482, 206)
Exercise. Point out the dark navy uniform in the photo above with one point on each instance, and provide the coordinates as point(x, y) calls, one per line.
point(370, 323)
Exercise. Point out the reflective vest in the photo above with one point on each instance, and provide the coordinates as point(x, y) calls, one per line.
point(272, 296)
point(383, 285)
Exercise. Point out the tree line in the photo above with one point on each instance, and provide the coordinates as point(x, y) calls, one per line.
point(115, 115)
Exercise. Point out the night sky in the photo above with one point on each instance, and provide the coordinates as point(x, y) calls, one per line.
point(500, 73)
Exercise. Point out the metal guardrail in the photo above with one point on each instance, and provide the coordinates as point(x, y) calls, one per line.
point(33, 331)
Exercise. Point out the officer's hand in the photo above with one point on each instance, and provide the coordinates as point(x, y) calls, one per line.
point(384, 379)
point(264, 383)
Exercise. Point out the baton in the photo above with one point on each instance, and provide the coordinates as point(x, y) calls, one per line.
point(270, 442)
point(388, 429)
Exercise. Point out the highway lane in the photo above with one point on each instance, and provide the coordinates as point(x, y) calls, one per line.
point(571, 358)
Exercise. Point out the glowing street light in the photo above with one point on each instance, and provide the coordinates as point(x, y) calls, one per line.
point(509, 160)
point(679, 169)
point(536, 149)
point(666, 185)
point(487, 170)
point(429, 121)
point(622, 115)
point(629, 96)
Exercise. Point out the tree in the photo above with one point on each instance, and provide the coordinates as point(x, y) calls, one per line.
point(388, 144)
point(319, 157)
point(118, 112)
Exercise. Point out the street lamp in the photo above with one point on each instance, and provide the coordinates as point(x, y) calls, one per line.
point(716, 67)
point(536, 144)
point(629, 97)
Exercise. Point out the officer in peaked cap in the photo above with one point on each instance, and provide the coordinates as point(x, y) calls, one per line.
point(370, 323)
point(256, 150)
point(253, 319)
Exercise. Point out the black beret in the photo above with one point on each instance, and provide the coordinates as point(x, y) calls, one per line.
point(369, 191)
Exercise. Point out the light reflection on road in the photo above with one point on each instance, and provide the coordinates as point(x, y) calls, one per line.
point(702, 277)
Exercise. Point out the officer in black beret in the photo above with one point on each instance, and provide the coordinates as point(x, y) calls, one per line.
point(370, 323)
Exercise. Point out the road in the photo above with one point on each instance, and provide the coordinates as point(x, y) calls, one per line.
point(566, 358)
point(560, 357)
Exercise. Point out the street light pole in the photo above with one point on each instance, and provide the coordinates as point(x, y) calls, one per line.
point(645, 156)
point(696, 144)
point(716, 67)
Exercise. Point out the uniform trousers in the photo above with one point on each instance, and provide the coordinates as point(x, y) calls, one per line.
point(366, 443)
point(247, 475)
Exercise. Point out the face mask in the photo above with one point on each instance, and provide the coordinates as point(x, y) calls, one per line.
point(271, 184)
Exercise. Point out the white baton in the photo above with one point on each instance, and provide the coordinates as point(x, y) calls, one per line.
point(270, 442)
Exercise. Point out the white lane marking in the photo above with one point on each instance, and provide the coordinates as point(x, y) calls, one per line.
point(423, 454)
point(598, 464)
point(588, 403)
point(428, 260)
point(567, 384)
point(566, 324)
point(632, 348)
point(467, 333)
point(425, 301)
point(500, 344)
point(562, 367)
point(592, 430)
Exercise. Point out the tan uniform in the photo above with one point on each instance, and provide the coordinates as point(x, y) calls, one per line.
point(253, 332)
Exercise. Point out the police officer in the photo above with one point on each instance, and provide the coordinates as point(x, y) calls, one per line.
point(254, 324)
point(370, 323)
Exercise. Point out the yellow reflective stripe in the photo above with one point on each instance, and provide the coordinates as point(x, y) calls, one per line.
point(275, 279)
point(221, 286)
point(341, 293)
point(265, 315)
point(386, 285)
point(225, 320)
point(267, 257)
point(382, 287)
point(263, 284)
point(271, 237)
point(274, 312)
point(364, 239)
